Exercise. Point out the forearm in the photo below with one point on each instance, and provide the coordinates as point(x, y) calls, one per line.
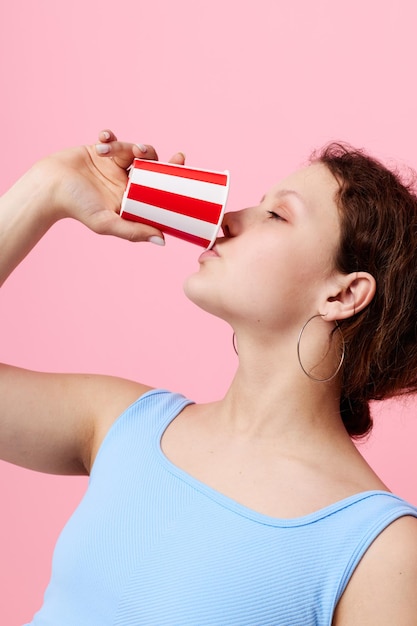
point(75, 183)
point(26, 213)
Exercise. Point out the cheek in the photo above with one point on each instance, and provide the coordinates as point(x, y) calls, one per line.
point(280, 287)
point(267, 285)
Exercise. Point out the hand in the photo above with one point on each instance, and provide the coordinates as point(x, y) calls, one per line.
point(89, 182)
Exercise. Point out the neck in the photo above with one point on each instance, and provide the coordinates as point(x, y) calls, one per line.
point(271, 396)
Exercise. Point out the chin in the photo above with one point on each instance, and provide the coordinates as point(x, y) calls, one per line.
point(202, 295)
point(196, 291)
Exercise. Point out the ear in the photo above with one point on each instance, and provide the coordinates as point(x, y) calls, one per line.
point(352, 294)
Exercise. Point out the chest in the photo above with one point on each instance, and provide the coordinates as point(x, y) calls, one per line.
point(254, 474)
point(149, 545)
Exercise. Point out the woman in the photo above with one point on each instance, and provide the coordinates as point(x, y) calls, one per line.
point(256, 509)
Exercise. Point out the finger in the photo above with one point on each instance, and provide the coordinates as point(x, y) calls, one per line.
point(178, 158)
point(107, 135)
point(122, 149)
point(109, 223)
point(123, 153)
point(139, 149)
point(145, 151)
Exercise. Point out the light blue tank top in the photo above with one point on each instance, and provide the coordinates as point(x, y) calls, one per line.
point(151, 546)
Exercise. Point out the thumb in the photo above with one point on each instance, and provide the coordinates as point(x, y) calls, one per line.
point(109, 223)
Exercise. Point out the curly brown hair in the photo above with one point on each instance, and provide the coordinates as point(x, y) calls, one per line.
point(378, 214)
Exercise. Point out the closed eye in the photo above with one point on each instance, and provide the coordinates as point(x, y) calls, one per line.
point(275, 216)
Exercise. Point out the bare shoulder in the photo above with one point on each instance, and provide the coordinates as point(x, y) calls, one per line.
point(383, 589)
point(113, 396)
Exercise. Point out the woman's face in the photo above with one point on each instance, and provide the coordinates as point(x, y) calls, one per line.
point(276, 260)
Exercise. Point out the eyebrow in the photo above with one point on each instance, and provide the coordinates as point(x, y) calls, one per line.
point(289, 192)
point(281, 193)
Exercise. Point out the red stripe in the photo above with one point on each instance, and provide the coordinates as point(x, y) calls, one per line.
point(168, 230)
point(199, 209)
point(180, 170)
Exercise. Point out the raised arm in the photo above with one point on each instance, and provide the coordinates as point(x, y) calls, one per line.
point(81, 183)
point(54, 422)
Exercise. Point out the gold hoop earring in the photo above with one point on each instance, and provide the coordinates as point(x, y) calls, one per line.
point(234, 344)
point(320, 380)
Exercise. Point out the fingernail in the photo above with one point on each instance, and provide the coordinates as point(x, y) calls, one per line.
point(158, 241)
point(142, 148)
point(102, 148)
point(106, 134)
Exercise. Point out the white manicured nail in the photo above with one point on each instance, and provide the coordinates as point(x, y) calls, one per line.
point(158, 241)
point(102, 148)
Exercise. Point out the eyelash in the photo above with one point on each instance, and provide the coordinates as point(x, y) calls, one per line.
point(275, 216)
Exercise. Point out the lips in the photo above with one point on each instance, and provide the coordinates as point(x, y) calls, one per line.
point(209, 254)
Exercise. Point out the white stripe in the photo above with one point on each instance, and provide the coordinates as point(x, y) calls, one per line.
point(183, 186)
point(189, 225)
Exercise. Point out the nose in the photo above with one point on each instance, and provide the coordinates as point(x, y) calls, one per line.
point(234, 222)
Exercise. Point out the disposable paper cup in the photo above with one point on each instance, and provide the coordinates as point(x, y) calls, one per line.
point(182, 201)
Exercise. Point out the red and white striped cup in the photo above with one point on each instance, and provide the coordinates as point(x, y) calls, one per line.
point(182, 201)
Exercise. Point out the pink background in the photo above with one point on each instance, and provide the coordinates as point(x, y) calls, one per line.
point(249, 86)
